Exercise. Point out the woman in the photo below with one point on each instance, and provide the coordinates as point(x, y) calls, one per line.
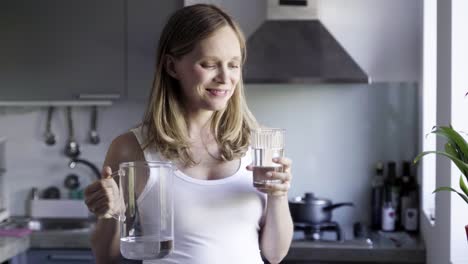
point(197, 117)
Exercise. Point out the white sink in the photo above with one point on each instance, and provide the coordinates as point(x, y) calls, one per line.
point(59, 208)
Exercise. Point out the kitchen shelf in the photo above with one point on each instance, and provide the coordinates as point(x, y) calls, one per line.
point(57, 103)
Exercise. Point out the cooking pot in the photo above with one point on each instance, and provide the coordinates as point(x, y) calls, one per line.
point(312, 210)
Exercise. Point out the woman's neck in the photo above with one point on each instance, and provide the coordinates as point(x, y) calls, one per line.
point(199, 124)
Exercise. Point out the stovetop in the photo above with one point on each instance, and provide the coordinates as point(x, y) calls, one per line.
point(326, 231)
point(326, 235)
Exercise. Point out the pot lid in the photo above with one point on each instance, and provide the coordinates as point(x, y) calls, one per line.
point(310, 198)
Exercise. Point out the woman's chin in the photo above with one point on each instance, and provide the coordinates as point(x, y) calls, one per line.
point(218, 108)
point(216, 105)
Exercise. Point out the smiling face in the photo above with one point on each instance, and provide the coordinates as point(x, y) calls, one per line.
point(209, 74)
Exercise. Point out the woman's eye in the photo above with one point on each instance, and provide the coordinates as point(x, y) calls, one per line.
point(208, 66)
point(234, 66)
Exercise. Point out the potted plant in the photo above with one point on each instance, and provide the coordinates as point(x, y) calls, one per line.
point(456, 149)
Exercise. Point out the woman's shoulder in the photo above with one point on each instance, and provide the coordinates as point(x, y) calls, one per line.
point(127, 138)
point(125, 147)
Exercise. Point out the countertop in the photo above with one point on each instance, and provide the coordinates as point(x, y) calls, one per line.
point(397, 247)
point(63, 239)
point(12, 246)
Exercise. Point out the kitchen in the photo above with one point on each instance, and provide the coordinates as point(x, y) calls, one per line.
point(336, 132)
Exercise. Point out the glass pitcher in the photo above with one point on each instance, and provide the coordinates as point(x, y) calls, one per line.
point(146, 219)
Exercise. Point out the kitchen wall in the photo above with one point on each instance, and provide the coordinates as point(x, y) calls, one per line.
point(335, 134)
point(384, 37)
point(249, 14)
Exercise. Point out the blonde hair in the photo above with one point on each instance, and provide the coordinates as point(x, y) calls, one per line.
point(164, 122)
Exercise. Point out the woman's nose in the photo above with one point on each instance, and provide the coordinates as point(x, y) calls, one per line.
point(223, 75)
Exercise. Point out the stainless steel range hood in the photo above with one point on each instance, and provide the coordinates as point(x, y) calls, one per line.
point(298, 51)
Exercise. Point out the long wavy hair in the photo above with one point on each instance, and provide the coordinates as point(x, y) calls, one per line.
point(164, 123)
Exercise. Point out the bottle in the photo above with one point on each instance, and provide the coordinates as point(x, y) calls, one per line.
point(377, 194)
point(33, 195)
point(393, 189)
point(411, 219)
point(409, 200)
point(388, 213)
point(405, 191)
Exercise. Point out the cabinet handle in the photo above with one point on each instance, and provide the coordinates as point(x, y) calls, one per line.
point(99, 96)
point(63, 257)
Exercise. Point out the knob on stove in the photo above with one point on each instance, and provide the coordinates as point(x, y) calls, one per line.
point(316, 236)
point(315, 232)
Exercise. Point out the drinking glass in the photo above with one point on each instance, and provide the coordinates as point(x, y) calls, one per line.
point(146, 214)
point(267, 144)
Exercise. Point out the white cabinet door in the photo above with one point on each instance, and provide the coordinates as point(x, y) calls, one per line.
point(59, 50)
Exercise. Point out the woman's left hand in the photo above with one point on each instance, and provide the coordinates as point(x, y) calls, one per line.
point(281, 188)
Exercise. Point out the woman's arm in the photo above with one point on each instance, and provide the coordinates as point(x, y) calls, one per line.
point(105, 239)
point(277, 231)
point(105, 242)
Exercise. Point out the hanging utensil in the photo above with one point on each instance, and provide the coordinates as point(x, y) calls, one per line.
point(93, 134)
point(72, 149)
point(49, 136)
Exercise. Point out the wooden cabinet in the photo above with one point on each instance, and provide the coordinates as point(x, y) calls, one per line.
point(62, 50)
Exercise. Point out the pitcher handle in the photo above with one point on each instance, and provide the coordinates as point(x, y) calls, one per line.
point(117, 216)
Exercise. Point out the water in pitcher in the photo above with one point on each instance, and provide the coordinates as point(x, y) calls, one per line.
point(142, 248)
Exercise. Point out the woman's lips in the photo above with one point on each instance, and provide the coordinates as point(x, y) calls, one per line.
point(217, 92)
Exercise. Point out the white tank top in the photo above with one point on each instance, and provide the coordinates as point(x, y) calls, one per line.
point(215, 221)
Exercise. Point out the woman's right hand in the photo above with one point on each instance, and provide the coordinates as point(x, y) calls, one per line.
point(102, 196)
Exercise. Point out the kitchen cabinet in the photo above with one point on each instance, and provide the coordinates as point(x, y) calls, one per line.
point(382, 251)
point(56, 256)
point(62, 50)
point(53, 50)
point(146, 19)
point(353, 261)
point(60, 256)
point(249, 14)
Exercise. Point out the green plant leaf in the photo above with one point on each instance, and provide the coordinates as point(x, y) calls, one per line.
point(463, 186)
point(461, 145)
point(462, 166)
point(443, 132)
point(420, 155)
point(463, 196)
point(455, 139)
point(450, 149)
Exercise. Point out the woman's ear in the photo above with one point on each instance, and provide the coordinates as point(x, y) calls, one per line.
point(169, 66)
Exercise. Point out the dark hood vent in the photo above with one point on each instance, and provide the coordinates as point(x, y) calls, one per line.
point(298, 51)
